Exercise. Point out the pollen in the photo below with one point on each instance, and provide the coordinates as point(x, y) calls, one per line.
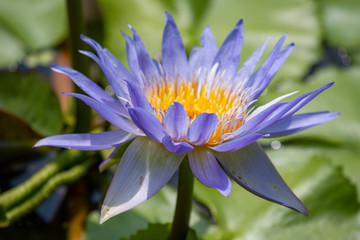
point(202, 93)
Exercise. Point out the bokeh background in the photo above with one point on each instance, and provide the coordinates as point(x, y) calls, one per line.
point(321, 165)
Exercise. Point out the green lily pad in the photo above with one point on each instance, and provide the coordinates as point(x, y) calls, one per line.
point(29, 26)
point(29, 98)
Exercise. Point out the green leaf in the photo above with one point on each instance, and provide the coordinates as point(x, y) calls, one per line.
point(29, 26)
point(29, 98)
point(159, 232)
point(341, 22)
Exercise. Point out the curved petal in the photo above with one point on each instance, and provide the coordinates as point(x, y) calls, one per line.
point(146, 64)
point(108, 114)
point(138, 99)
point(297, 123)
point(237, 143)
point(202, 128)
point(103, 164)
point(148, 123)
point(144, 169)
point(253, 170)
point(176, 122)
point(173, 54)
point(205, 55)
point(229, 53)
point(114, 71)
point(208, 171)
point(91, 88)
point(87, 141)
point(176, 147)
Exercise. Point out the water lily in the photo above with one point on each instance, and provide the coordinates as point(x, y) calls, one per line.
point(200, 108)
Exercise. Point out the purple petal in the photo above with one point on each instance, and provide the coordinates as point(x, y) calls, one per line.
point(144, 169)
point(104, 164)
point(173, 54)
point(91, 88)
point(176, 147)
point(138, 99)
point(107, 114)
point(176, 121)
point(248, 67)
point(114, 71)
point(297, 123)
point(252, 169)
point(229, 53)
point(146, 64)
point(148, 123)
point(87, 141)
point(237, 143)
point(202, 128)
point(204, 56)
point(257, 78)
point(208, 171)
point(133, 61)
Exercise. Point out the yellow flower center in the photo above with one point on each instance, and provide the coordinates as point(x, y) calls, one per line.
point(208, 96)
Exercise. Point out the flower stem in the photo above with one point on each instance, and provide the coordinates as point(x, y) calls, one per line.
point(79, 62)
point(180, 224)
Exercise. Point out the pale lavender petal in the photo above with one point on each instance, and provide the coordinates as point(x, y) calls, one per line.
point(237, 143)
point(229, 53)
point(108, 114)
point(252, 169)
point(146, 64)
point(144, 169)
point(138, 99)
point(132, 60)
point(249, 65)
point(176, 147)
point(91, 88)
point(173, 54)
point(114, 71)
point(208, 171)
point(258, 77)
point(87, 141)
point(176, 122)
point(297, 123)
point(202, 128)
point(148, 123)
point(205, 55)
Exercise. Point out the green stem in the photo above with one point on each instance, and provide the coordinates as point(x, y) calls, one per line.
point(45, 191)
point(18, 193)
point(79, 62)
point(180, 224)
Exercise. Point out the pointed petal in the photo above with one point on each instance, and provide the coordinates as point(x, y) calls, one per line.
point(91, 88)
point(297, 123)
point(173, 54)
point(176, 121)
point(87, 141)
point(252, 169)
point(208, 171)
point(229, 53)
point(202, 128)
point(114, 71)
point(144, 169)
point(176, 147)
point(108, 114)
point(133, 61)
point(148, 123)
point(237, 143)
point(138, 99)
point(146, 64)
point(205, 55)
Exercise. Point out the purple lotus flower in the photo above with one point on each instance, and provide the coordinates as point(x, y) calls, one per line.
point(201, 107)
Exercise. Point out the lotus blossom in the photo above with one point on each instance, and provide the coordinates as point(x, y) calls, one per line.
point(201, 108)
